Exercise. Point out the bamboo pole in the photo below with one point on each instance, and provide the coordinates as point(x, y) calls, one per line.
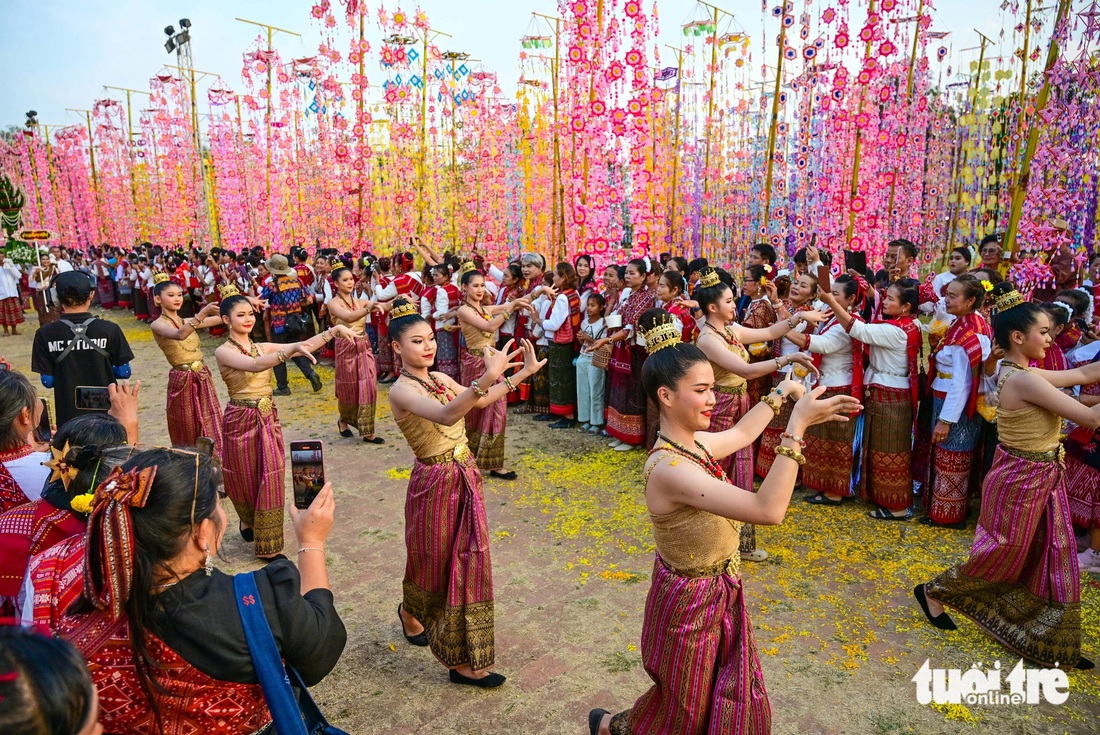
point(591, 99)
point(977, 83)
point(858, 144)
point(95, 177)
point(1023, 174)
point(676, 145)
point(772, 129)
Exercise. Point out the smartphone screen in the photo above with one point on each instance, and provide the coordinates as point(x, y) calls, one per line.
point(856, 261)
point(307, 468)
point(44, 431)
point(92, 398)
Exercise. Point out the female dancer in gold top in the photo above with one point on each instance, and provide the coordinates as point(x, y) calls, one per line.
point(484, 426)
point(356, 372)
point(253, 463)
point(192, 409)
point(448, 586)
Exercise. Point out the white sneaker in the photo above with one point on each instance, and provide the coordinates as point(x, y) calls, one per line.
point(614, 443)
point(624, 447)
point(1089, 561)
point(756, 555)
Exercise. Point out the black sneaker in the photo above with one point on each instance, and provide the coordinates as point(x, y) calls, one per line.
point(563, 424)
point(315, 381)
point(281, 392)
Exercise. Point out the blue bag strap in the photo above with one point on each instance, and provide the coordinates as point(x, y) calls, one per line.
point(285, 711)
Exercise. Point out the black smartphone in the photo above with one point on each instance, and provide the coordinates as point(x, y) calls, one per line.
point(1081, 324)
point(856, 260)
point(307, 469)
point(44, 431)
point(92, 398)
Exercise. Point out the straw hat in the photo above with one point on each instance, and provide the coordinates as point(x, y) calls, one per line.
point(278, 265)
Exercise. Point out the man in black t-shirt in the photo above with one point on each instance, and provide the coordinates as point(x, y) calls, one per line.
point(79, 351)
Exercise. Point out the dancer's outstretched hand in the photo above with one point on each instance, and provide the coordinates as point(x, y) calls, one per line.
point(531, 363)
point(497, 361)
point(805, 360)
point(813, 316)
point(812, 410)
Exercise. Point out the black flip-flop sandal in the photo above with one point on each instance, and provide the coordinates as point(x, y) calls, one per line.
point(822, 499)
point(509, 475)
point(246, 533)
point(375, 440)
point(346, 433)
point(595, 717)
point(881, 514)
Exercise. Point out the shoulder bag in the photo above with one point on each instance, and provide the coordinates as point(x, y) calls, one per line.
point(291, 715)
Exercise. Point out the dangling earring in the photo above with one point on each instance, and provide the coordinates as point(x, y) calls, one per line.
point(209, 561)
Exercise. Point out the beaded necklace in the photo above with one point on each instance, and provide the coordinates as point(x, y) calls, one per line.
point(729, 338)
point(434, 387)
point(254, 352)
point(171, 321)
point(349, 304)
point(706, 461)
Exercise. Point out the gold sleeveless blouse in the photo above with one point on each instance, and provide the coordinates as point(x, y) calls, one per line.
point(245, 386)
point(179, 352)
point(695, 543)
point(1031, 429)
point(428, 439)
point(724, 378)
point(476, 339)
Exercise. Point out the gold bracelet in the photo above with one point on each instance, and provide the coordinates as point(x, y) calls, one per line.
point(281, 354)
point(771, 403)
point(784, 451)
point(508, 383)
point(477, 389)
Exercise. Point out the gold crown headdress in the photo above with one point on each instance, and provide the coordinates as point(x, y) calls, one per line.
point(661, 336)
point(709, 278)
point(466, 267)
point(1008, 300)
point(160, 278)
point(403, 310)
point(228, 290)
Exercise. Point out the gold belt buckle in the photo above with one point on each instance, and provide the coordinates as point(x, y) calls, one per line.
point(264, 405)
point(196, 366)
point(461, 453)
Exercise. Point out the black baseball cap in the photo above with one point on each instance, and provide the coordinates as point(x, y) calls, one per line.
point(77, 285)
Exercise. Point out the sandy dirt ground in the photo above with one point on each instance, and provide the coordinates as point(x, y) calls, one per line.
point(839, 633)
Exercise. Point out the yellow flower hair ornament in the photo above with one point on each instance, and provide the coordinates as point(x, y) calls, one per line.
point(987, 286)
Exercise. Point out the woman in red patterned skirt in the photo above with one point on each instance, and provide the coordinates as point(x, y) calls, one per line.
point(697, 641)
point(891, 397)
point(192, 410)
point(146, 592)
point(254, 460)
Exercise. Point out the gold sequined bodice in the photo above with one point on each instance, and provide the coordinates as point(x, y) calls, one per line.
point(689, 539)
point(244, 385)
point(1027, 429)
point(180, 351)
point(725, 378)
point(476, 339)
point(428, 439)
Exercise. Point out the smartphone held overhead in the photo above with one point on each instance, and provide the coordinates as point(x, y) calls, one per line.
point(307, 468)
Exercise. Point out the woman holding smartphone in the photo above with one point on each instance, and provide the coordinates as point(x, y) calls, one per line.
point(447, 603)
point(254, 458)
